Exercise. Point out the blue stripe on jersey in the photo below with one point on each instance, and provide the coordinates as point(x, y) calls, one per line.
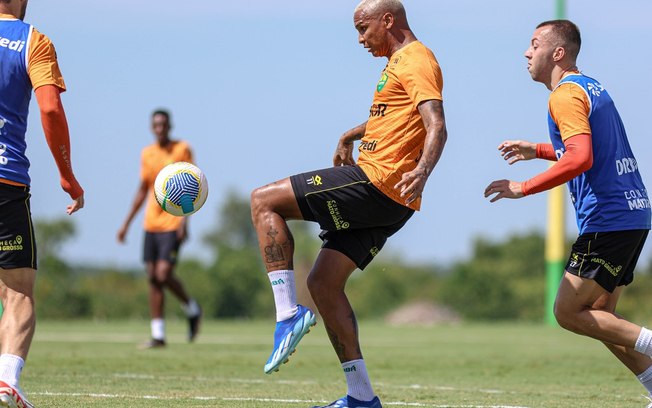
point(16, 91)
point(611, 195)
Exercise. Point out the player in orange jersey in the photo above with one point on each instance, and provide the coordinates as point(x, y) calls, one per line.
point(164, 233)
point(358, 206)
point(28, 62)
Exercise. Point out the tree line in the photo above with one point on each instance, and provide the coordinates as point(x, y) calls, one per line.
point(501, 280)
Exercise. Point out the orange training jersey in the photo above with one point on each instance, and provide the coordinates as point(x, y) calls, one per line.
point(395, 133)
point(153, 159)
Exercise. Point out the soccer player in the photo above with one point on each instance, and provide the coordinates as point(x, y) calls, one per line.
point(27, 61)
point(164, 233)
point(591, 153)
point(358, 206)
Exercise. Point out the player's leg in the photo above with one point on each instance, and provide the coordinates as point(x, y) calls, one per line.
point(165, 275)
point(156, 307)
point(639, 364)
point(575, 312)
point(326, 282)
point(17, 327)
point(17, 278)
point(271, 206)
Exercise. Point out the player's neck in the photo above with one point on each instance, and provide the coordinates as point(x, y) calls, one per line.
point(405, 38)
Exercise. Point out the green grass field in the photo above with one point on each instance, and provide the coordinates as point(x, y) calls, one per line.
point(84, 364)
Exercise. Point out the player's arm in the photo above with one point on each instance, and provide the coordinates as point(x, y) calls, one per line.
point(413, 182)
point(344, 151)
point(55, 127)
point(516, 150)
point(139, 199)
point(182, 231)
point(577, 159)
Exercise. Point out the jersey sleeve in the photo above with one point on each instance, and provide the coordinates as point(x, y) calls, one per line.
point(421, 77)
point(42, 67)
point(569, 107)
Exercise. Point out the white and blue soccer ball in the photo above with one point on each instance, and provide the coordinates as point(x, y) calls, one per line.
point(181, 188)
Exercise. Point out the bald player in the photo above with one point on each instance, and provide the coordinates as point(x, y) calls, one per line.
point(357, 205)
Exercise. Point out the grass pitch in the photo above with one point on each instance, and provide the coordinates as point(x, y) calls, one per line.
point(85, 364)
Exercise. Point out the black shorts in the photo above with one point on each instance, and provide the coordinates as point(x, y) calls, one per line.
point(356, 217)
point(161, 246)
point(17, 246)
point(609, 258)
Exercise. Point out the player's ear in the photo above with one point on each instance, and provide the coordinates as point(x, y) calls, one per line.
point(558, 54)
point(388, 20)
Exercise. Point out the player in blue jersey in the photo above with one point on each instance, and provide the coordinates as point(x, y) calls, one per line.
point(592, 154)
point(27, 62)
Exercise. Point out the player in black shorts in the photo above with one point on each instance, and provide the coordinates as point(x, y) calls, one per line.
point(358, 204)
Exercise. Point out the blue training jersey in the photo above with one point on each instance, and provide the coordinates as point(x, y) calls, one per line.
point(15, 95)
point(610, 196)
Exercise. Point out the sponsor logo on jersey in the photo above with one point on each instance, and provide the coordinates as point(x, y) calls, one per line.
point(595, 88)
point(16, 45)
point(626, 165)
point(637, 199)
point(377, 109)
point(382, 82)
point(369, 146)
point(315, 180)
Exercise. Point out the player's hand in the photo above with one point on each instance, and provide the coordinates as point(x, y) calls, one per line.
point(77, 204)
point(504, 189)
point(122, 234)
point(517, 150)
point(412, 184)
point(343, 154)
point(182, 233)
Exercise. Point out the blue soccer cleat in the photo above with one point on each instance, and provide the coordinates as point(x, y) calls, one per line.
point(350, 402)
point(287, 336)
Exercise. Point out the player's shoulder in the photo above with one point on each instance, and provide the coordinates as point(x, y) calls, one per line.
point(182, 145)
point(38, 38)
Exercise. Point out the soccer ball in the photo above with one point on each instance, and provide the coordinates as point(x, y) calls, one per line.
point(181, 188)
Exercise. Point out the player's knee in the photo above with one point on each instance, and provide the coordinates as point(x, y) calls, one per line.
point(565, 318)
point(156, 281)
point(258, 206)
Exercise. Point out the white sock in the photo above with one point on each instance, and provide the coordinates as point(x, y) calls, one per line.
point(10, 368)
point(643, 342)
point(158, 329)
point(646, 379)
point(285, 294)
point(357, 380)
point(191, 309)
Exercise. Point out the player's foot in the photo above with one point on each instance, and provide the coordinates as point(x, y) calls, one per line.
point(11, 397)
point(193, 325)
point(350, 402)
point(152, 344)
point(287, 336)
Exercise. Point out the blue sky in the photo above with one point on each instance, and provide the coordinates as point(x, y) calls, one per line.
point(263, 90)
